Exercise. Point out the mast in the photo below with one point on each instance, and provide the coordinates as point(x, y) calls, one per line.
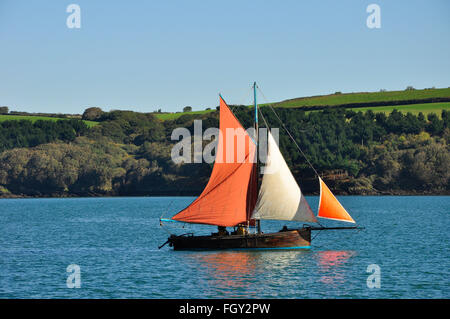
point(258, 221)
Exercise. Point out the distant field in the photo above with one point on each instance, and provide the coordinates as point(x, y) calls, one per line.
point(324, 100)
point(7, 117)
point(172, 116)
point(415, 109)
point(370, 97)
point(363, 97)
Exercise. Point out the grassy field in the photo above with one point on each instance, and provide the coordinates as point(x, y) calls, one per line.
point(8, 117)
point(323, 100)
point(369, 97)
point(173, 116)
point(362, 97)
point(415, 109)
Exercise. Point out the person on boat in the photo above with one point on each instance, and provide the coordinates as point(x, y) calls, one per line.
point(222, 231)
point(241, 230)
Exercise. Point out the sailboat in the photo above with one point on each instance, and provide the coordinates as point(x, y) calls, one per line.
point(234, 197)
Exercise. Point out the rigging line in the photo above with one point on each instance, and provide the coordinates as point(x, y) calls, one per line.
point(316, 235)
point(170, 204)
point(164, 228)
point(177, 186)
point(214, 188)
point(245, 161)
point(267, 125)
point(264, 119)
point(269, 104)
point(167, 209)
point(289, 133)
point(246, 95)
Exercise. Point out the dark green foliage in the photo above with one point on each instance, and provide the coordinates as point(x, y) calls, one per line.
point(435, 126)
point(24, 133)
point(92, 114)
point(129, 153)
point(128, 127)
point(348, 141)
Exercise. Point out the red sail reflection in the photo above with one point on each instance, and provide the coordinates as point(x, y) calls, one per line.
point(331, 264)
point(236, 274)
point(229, 270)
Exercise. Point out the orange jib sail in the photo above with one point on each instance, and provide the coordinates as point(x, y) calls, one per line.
point(330, 207)
point(228, 198)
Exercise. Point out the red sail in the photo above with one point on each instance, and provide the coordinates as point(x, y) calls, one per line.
point(228, 198)
point(330, 207)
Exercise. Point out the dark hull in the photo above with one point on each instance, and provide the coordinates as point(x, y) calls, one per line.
point(290, 239)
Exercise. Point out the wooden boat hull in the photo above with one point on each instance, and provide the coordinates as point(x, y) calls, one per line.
point(289, 239)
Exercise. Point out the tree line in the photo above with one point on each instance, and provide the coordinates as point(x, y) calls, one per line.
point(25, 133)
point(128, 153)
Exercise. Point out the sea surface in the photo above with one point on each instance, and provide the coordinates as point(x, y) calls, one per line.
point(403, 252)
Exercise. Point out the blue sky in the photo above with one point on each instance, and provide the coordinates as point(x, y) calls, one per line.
point(145, 55)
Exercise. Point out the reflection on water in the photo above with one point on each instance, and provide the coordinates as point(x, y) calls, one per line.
point(229, 266)
point(248, 274)
point(238, 273)
point(229, 272)
point(331, 265)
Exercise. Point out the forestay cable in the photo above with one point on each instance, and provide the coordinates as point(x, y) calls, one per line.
point(289, 133)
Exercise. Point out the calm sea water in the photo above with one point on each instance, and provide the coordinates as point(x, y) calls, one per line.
point(115, 243)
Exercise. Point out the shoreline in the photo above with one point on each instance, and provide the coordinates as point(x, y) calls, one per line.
point(445, 193)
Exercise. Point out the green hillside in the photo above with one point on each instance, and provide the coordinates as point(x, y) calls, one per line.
point(365, 97)
point(425, 108)
point(173, 116)
point(403, 101)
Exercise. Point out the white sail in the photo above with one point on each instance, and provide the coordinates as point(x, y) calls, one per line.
point(280, 196)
